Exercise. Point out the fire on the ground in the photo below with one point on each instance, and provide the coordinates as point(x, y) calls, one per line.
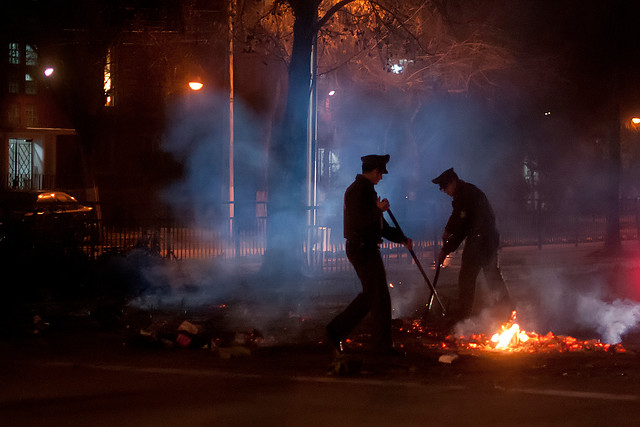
point(510, 338)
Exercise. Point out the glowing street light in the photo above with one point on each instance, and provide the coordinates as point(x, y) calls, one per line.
point(632, 124)
point(195, 85)
point(48, 72)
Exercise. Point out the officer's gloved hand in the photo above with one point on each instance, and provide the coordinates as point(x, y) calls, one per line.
point(441, 256)
point(383, 204)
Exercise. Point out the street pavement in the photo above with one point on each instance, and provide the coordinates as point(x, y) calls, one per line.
point(263, 368)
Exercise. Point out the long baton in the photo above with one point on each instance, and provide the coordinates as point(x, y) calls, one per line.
point(415, 258)
point(435, 283)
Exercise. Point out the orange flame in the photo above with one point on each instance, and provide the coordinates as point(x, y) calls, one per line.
point(510, 334)
point(509, 338)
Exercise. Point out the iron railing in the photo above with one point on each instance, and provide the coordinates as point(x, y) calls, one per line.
point(324, 247)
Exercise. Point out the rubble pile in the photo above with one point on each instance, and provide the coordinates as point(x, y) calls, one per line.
point(173, 333)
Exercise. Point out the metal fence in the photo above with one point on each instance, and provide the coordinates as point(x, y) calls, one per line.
point(540, 229)
point(324, 247)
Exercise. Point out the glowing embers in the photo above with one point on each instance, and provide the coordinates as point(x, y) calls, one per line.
point(510, 338)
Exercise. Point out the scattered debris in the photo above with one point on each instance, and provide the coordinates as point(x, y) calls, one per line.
point(188, 327)
point(171, 332)
point(39, 325)
point(448, 358)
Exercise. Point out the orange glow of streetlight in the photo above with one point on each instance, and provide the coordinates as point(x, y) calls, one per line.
point(195, 85)
point(48, 71)
point(635, 120)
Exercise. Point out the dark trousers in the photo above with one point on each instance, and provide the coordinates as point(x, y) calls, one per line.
point(474, 260)
point(374, 298)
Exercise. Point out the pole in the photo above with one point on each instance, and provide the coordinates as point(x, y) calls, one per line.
point(415, 258)
point(232, 11)
point(312, 133)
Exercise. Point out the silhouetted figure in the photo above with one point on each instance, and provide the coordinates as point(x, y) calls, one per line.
point(364, 228)
point(472, 219)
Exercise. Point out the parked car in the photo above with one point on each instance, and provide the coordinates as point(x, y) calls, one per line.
point(44, 219)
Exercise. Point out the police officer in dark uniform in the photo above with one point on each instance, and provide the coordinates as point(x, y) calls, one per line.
point(364, 227)
point(472, 219)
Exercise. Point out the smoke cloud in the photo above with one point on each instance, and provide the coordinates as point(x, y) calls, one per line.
point(480, 144)
point(567, 302)
point(611, 319)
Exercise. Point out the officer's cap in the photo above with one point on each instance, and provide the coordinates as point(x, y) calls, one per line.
point(375, 161)
point(445, 178)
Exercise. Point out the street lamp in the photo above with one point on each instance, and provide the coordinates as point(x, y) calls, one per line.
point(48, 72)
point(195, 84)
point(632, 124)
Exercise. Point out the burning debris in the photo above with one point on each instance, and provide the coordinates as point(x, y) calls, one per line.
point(509, 338)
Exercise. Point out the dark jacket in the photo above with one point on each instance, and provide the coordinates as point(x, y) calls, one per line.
point(363, 221)
point(472, 218)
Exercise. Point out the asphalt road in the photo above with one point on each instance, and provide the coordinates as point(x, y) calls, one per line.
point(79, 372)
point(97, 378)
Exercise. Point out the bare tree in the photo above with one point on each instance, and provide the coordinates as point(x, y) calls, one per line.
point(367, 36)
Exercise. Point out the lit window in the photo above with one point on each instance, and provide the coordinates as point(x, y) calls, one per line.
point(30, 87)
point(334, 163)
point(14, 53)
point(321, 161)
point(530, 172)
point(108, 80)
point(31, 56)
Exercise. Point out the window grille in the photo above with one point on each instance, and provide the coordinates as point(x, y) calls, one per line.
point(14, 53)
point(31, 56)
point(20, 163)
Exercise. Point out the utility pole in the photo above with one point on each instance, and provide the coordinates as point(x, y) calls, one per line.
point(232, 12)
point(312, 133)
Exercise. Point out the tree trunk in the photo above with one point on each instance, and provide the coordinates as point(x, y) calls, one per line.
point(286, 209)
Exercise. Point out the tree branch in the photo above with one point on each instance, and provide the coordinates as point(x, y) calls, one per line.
point(329, 14)
point(401, 24)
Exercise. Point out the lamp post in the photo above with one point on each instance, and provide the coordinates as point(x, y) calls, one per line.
point(232, 11)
